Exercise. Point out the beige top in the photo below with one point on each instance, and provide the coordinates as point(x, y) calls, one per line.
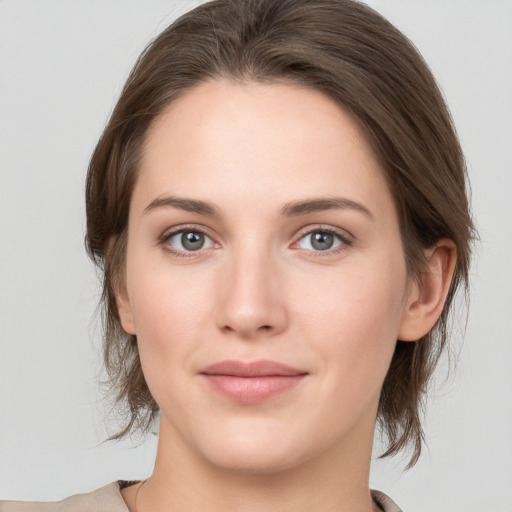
point(109, 499)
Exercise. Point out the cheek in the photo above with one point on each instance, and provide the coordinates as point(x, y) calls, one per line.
point(169, 316)
point(169, 310)
point(354, 319)
point(165, 314)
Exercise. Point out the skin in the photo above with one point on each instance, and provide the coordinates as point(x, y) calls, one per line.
point(259, 289)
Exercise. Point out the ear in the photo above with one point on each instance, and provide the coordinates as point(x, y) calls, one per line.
point(118, 277)
point(124, 308)
point(427, 296)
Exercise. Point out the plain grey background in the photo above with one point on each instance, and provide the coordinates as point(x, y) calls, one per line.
point(62, 64)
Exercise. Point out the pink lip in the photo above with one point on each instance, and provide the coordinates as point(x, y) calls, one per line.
point(251, 382)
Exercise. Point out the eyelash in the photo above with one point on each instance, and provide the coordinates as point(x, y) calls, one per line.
point(345, 240)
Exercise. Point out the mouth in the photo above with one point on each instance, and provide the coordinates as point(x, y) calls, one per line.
point(251, 382)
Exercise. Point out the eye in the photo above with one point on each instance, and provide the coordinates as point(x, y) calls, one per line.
point(321, 240)
point(187, 241)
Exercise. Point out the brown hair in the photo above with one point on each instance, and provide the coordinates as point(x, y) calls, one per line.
point(356, 57)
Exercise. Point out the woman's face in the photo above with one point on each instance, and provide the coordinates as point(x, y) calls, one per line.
point(265, 278)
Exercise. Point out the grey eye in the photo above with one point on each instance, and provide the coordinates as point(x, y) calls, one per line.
point(320, 241)
point(189, 241)
point(192, 241)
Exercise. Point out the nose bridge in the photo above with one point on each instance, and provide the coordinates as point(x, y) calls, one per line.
point(252, 301)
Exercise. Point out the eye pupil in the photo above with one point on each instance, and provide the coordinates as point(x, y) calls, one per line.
point(192, 241)
point(322, 241)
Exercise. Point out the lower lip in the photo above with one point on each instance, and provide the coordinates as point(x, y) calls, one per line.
point(252, 390)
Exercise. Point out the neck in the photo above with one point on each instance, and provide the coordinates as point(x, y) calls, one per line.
point(336, 481)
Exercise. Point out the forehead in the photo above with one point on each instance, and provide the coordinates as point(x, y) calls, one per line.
point(258, 142)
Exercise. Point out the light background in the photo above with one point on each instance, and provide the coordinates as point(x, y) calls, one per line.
point(62, 64)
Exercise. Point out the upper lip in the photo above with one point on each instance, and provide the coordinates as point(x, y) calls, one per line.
point(262, 368)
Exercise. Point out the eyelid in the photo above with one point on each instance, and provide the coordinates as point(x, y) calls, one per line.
point(342, 233)
point(185, 227)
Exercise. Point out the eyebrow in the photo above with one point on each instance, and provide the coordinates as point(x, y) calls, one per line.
point(297, 208)
point(184, 203)
point(291, 209)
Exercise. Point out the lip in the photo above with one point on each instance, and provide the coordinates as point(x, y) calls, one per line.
point(251, 382)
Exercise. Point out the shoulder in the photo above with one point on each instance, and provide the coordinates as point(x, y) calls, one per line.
point(109, 499)
point(106, 499)
point(384, 502)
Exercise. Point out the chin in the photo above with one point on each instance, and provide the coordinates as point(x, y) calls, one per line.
point(259, 461)
point(255, 453)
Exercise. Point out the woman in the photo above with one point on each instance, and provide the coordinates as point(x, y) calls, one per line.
point(278, 197)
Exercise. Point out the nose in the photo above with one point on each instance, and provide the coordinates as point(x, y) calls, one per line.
point(252, 301)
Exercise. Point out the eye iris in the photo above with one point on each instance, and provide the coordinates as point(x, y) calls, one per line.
point(322, 241)
point(192, 241)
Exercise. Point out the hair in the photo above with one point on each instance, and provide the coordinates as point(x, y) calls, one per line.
point(356, 57)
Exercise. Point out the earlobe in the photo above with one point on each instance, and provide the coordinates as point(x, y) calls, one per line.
point(426, 298)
